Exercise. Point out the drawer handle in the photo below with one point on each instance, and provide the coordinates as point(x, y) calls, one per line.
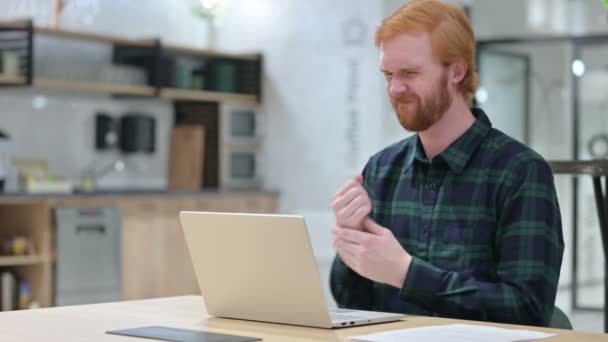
point(91, 229)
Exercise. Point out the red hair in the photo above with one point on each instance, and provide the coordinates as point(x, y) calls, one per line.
point(452, 38)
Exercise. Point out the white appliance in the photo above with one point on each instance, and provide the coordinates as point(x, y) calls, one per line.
point(240, 144)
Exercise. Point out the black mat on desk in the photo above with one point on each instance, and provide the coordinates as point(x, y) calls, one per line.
point(180, 335)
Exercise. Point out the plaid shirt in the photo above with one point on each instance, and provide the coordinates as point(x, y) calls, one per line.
point(481, 221)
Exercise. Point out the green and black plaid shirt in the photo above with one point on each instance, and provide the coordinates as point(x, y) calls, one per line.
point(481, 221)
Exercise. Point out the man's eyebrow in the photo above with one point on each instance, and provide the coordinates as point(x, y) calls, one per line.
point(407, 69)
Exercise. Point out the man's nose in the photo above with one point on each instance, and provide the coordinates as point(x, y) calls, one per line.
point(397, 88)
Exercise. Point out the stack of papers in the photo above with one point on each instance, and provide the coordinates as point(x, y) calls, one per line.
point(454, 333)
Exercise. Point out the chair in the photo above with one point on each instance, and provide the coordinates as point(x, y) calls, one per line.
point(559, 320)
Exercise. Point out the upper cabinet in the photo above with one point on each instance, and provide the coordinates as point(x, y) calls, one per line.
point(143, 68)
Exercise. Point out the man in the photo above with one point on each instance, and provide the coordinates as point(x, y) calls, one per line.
point(458, 220)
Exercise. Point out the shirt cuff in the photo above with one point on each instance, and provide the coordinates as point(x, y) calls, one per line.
point(422, 283)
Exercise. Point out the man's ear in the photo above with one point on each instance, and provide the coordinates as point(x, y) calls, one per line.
point(458, 71)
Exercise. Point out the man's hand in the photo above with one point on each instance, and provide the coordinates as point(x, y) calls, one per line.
point(373, 253)
point(351, 204)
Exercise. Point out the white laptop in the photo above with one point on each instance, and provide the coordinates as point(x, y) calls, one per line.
point(262, 268)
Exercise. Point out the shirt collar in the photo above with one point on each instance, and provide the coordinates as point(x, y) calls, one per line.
point(460, 151)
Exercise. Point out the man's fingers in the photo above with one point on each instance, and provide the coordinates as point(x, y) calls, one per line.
point(347, 259)
point(347, 186)
point(334, 236)
point(359, 179)
point(348, 197)
point(346, 205)
point(354, 236)
point(352, 207)
point(372, 227)
point(349, 248)
point(363, 210)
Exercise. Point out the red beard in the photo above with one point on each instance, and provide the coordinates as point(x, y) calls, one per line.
point(416, 115)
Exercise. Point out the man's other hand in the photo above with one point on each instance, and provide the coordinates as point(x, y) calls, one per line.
point(352, 204)
point(373, 253)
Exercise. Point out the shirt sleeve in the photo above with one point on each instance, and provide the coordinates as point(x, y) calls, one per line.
point(528, 253)
point(351, 290)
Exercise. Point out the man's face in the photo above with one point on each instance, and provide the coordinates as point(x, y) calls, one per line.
point(417, 83)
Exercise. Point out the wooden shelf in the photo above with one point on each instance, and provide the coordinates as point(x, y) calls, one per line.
point(133, 90)
point(93, 87)
point(12, 79)
point(16, 24)
point(21, 260)
point(200, 95)
point(67, 34)
point(209, 53)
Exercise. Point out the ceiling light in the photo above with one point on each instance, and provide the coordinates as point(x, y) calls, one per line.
point(578, 68)
point(481, 95)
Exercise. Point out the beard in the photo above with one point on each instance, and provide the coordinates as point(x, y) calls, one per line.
point(416, 114)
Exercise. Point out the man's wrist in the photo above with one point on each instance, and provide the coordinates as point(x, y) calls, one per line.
point(401, 273)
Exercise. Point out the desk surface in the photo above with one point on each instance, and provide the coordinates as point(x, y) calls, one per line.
point(90, 322)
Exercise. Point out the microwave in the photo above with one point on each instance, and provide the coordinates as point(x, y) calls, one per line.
point(240, 124)
point(240, 167)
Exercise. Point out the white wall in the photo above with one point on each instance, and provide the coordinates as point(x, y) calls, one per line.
point(323, 97)
point(62, 131)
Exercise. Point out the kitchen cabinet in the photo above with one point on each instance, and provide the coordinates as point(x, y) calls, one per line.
point(155, 260)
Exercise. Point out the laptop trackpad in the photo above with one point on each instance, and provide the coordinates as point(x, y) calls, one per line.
point(180, 335)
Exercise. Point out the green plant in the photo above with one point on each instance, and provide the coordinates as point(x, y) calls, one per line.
point(206, 9)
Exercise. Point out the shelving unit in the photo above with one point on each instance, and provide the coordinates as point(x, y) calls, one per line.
point(89, 87)
point(32, 220)
point(12, 80)
point(93, 37)
point(21, 260)
point(209, 53)
point(241, 86)
point(210, 96)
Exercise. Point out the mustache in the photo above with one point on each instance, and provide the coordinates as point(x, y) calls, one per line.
point(404, 98)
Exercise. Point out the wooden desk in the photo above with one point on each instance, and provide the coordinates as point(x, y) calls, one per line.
point(90, 322)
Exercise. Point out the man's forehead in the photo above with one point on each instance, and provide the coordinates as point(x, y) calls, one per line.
point(404, 40)
point(405, 49)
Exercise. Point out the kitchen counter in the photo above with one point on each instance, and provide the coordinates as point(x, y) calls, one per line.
point(142, 192)
point(132, 193)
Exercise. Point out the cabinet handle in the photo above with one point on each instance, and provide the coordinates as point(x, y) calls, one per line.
point(91, 229)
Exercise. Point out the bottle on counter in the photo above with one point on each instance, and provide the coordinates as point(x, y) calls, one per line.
point(24, 296)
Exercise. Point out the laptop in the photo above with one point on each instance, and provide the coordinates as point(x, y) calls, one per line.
point(261, 267)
